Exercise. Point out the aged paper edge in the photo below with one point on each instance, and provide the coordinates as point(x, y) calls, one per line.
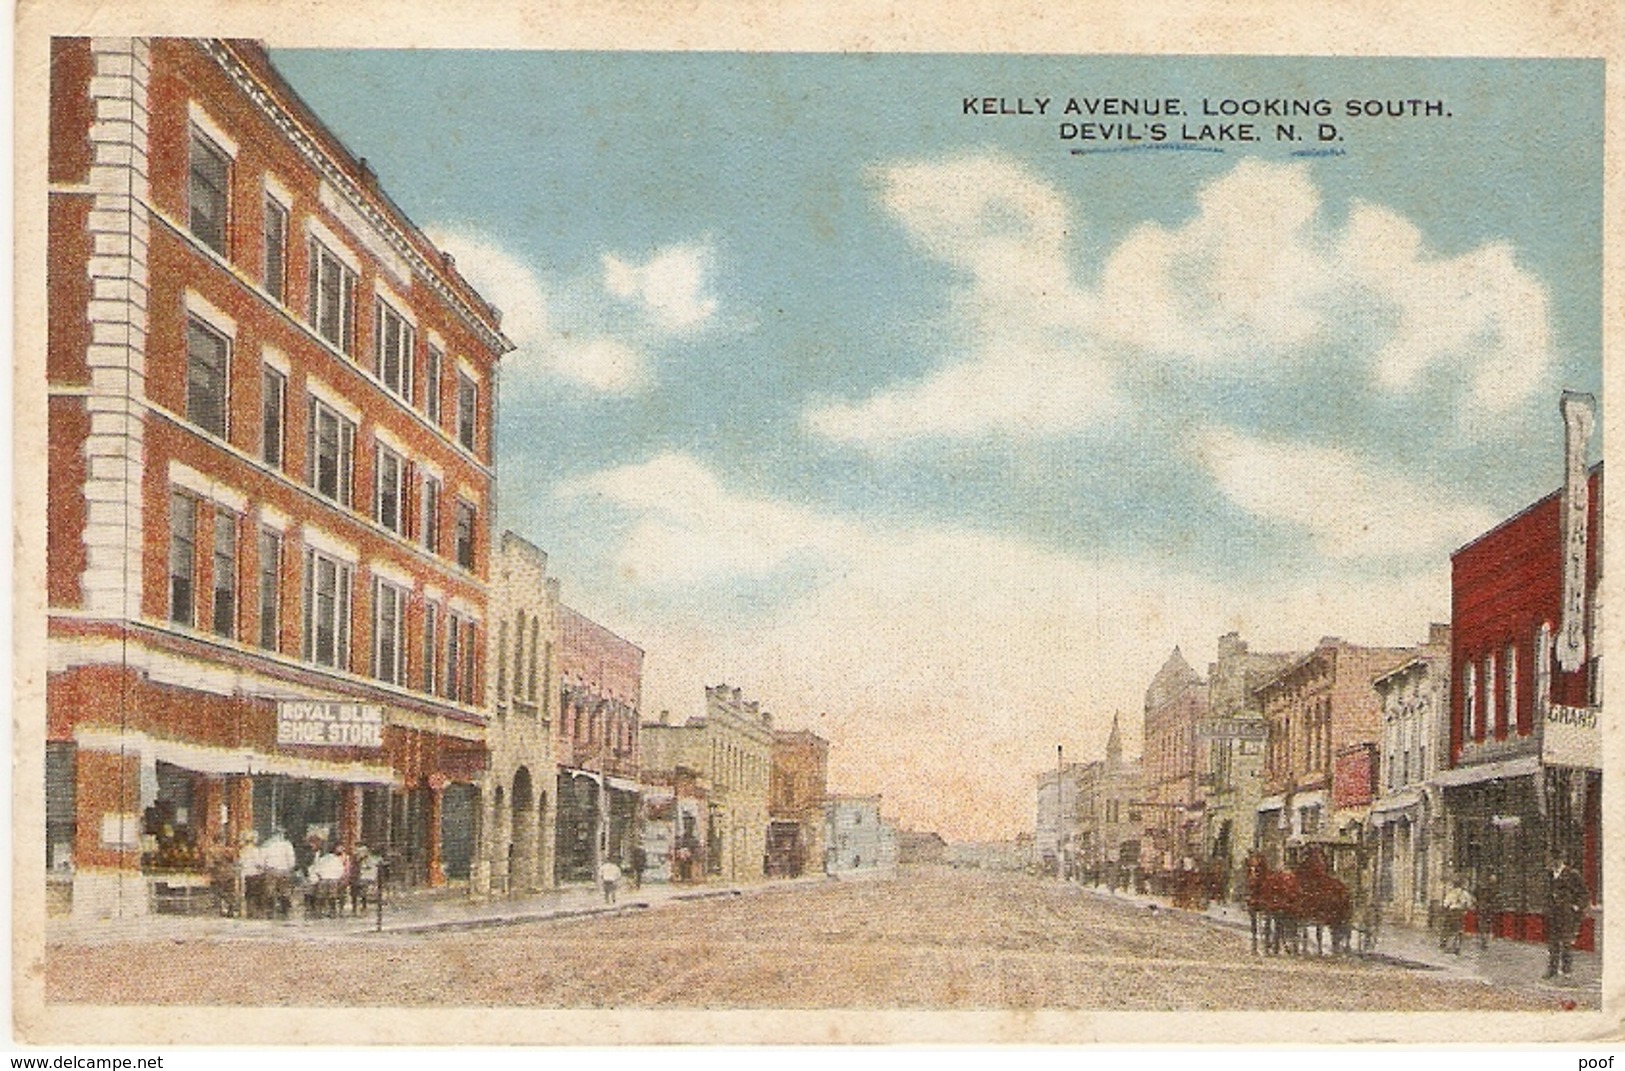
point(1262, 27)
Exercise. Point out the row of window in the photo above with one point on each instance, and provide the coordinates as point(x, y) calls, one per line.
point(447, 664)
point(330, 449)
point(331, 294)
point(1489, 689)
point(525, 673)
point(1314, 739)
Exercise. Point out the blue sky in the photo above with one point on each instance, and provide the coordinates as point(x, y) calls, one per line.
point(935, 436)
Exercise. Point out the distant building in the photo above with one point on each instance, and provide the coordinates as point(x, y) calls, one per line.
point(1234, 732)
point(857, 839)
point(1110, 820)
point(926, 849)
point(1317, 707)
point(1172, 766)
point(675, 807)
point(1056, 827)
point(1408, 818)
point(1524, 778)
point(596, 745)
point(518, 841)
point(731, 746)
point(797, 785)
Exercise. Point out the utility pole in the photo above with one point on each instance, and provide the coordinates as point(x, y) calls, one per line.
point(1060, 812)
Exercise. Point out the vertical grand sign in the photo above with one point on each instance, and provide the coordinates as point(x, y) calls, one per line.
point(1571, 633)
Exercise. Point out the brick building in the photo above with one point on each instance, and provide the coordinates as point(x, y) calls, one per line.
point(1524, 781)
point(797, 785)
point(1171, 767)
point(1110, 820)
point(596, 746)
point(269, 481)
point(517, 842)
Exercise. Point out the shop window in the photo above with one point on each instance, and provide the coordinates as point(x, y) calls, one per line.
point(431, 384)
point(273, 412)
point(207, 356)
point(332, 297)
point(270, 588)
point(327, 611)
point(395, 346)
point(465, 534)
point(208, 192)
point(467, 410)
point(430, 525)
point(225, 574)
point(331, 453)
point(182, 559)
point(388, 632)
point(389, 477)
point(60, 805)
point(276, 249)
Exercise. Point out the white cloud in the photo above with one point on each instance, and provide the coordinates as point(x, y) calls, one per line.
point(540, 319)
point(670, 285)
point(1258, 278)
point(1349, 508)
point(944, 660)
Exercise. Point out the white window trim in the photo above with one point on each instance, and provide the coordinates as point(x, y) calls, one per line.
point(401, 488)
point(386, 438)
point(429, 468)
point(275, 358)
point(330, 240)
point(211, 129)
point(276, 191)
point(217, 320)
point(471, 496)
point(467, 368)
point(435, 339)
point(397, 304)
point(324, 542)
point(189, 479)
point(333, 400)
point(274, 519)
point(394, 574)
point(431, 593)
point(464, 609)
point(398, 671)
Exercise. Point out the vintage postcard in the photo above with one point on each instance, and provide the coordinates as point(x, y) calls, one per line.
point(662, 528)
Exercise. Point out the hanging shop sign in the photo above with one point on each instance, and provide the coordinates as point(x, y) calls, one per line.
point(1571, 631)
point(317, 724)
point(1232, 729)
point(1570, 737)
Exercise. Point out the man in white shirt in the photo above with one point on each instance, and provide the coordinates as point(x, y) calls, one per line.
point(609, 875)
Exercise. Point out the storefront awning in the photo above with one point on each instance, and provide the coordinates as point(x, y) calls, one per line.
point(1522, 766)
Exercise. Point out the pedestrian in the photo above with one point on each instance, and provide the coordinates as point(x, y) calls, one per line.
point(1488, 904)
point(640, 862)
point(1453, 916)
point(609, 876)
point(1566, 899)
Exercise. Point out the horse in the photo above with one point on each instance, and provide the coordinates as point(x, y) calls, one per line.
point(1324, 903)
point(1272, 895)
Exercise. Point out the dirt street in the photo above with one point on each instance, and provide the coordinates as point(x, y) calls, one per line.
point(931, 938)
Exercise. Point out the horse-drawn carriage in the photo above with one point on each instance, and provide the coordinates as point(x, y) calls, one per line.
point(1315, 890)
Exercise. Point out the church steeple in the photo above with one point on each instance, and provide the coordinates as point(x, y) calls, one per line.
point(1114, 746)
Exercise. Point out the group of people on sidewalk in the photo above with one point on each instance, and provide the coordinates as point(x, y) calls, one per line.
point(264, 878)
point(1566, 901)
point(610, 874)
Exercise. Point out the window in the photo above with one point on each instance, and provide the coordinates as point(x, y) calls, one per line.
point(468, 662)
point(182, 559)
point(1510, 708)
point(276, 249)
point(206, 358)
point(225, 573)
point(270, 587)
point(454, 647)
point(502, 661)
point(331, 453)
point(431, 384)
point(535, 625)
point(332, 297)
point(388, 648)
point(1487, 713)
point(273, 406)
point(395, 337)
point(431, 647)
point(1543, 669)
point(431, 514)
point(467, 404)
point(465, 534)
point(327, 611)
point(387, 501)
point(208, 189)
point(1469, 702)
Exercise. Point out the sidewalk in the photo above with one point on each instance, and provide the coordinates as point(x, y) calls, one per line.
point(1511, 964)
point(420, 911)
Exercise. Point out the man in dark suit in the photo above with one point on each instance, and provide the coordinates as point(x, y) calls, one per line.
point(1566, 899)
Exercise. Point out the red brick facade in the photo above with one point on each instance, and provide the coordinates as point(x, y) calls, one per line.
point(241, 331)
